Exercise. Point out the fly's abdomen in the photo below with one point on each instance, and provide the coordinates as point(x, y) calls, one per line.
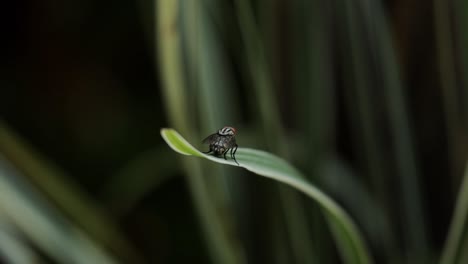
point(219, 147)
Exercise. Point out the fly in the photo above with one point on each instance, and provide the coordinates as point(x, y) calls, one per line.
point(221, 142)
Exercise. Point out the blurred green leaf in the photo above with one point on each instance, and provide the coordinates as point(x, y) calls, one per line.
point(27, 209)
point(222, 244)
point(147, 171)
point(349, 240)
point(65, 193)
point(13, 247)
point(457, 237)
point(257, 58)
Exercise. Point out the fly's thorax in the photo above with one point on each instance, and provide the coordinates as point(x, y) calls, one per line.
point(227, 131)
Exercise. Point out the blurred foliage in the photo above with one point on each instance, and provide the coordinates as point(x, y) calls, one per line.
point(368, 98)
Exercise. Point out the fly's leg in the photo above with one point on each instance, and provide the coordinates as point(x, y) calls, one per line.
point(208, 152)
point(233, 155)
point(235, 149)
point(225, 153)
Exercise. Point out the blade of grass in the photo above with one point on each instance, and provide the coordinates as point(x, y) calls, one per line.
point(343, 182)
point(448, 84)
point(268, 165)
point(360, 100)
point(13, 247)
point(27, 209)
point(210, 83)
point(461, 10)
point(212, 91)
point(168, 33)
point(263, 87)
point(406, 160)
point(148, 171)
point(457, 237)
point(314, 93)
point(65, 193)
point(416, 231)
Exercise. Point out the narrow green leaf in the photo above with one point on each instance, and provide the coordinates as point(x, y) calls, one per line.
point(49, 230)
point(265, 164)
point(457, 235)
point(65, 194)
point(177, 98)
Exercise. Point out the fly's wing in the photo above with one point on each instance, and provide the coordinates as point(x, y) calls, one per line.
point(208, 139)
point(232, 142)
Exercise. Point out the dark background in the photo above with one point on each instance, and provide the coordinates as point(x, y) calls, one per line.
point(368, 99)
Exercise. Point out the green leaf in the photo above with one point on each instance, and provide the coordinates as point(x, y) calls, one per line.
point(457, 237)
point(347, 236)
